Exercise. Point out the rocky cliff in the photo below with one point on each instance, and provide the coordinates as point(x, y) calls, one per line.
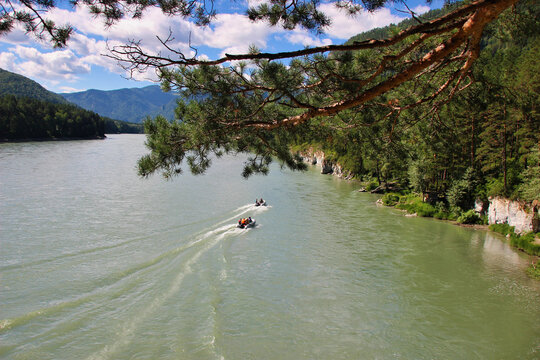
point(523, 217)
point(328, 166)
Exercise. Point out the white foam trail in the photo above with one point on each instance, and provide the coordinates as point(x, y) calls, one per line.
point(125, 337)
point(239, 212)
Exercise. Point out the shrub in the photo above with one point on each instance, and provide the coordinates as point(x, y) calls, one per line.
point(485, 220)
point(414, 204)
point(442, 211)
point(425, 210)
point(503, 229)
point(525, 243)
point(372, 185)
point(390, 199)
point(441, 215)
point(469, 217)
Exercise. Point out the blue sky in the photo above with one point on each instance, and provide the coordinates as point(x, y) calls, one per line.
point(81, 66)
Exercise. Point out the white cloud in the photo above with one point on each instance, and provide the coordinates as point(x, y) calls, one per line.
point(7, 61)
point(16, 36)
point(56, 65)
point(345, 26)
point(68, 89)
point(304, 39)
point(255, 3)
point(421, 9)
point(234, 31)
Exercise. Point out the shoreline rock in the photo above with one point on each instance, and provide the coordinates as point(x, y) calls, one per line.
point(521, 216)
point(328, 166)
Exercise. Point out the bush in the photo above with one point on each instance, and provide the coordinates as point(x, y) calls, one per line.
point(484, 220)
point(372, 185)
point(425, 210)
point(442, 212)
point(469, 217)
point(503, 229)
point(441, 215)
point(525, 243)
point(390, 199)
point(414, 204)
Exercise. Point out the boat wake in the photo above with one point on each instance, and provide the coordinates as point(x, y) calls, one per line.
point(139, 290)
point(205, 241)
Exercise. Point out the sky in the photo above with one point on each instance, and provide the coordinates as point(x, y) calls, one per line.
point(81, 65)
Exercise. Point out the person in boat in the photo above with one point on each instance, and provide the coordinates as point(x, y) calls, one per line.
point(261, 201)
point(250, 220)
point(257, 202)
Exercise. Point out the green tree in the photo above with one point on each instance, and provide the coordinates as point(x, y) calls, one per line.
point(463, 191)
point(530, 188)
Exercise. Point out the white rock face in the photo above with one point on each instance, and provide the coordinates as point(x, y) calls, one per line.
point(513, 213)
point(327, 167)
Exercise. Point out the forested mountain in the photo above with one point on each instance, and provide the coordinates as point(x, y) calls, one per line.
point(28, 118)
point(21, 86)
point(29, 111)
point(131, 105)
point(482, 141)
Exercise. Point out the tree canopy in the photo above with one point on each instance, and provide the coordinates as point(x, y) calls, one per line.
point(256, 102)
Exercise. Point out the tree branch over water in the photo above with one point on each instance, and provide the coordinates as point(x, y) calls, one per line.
point(318, 83)
point(258, 101)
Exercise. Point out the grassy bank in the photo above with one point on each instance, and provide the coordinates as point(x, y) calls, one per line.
point(413, 204)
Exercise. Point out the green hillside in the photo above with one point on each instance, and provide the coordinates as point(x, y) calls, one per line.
point(21, 86)
point(23, 118)
point(29, 111)
point(126, 104)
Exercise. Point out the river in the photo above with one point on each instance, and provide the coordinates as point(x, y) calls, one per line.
point(96, 263)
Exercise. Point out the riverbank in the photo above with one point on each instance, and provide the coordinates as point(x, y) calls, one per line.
point(519, 221)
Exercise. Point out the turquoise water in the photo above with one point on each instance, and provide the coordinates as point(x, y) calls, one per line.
point(96, 263)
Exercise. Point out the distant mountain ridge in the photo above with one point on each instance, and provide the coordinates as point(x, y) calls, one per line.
point(21, 86)
point(29, 111)
point(131, 104)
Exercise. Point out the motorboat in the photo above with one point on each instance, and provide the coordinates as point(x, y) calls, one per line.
point(248, 225)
